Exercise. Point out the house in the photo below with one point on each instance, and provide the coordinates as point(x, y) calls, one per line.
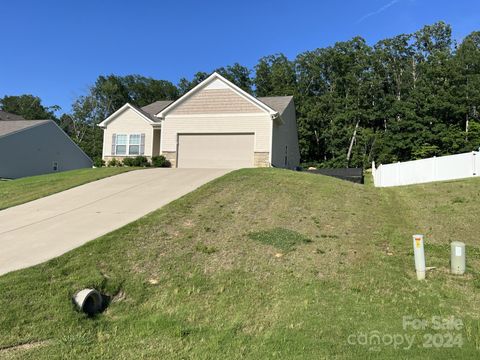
point(214, 125)
point(34, 147)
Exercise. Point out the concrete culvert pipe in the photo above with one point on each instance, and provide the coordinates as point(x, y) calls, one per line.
point(88, 301)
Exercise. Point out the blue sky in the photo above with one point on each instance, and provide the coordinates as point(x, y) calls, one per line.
point(56, 49)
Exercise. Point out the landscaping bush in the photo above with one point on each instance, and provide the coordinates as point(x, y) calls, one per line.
point(160, 161)
point(138, 161)
point(115, 163)
point(129, 162)
point(98, 162)
point(142, 161)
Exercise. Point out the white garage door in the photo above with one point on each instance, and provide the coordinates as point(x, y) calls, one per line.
point(221, 151)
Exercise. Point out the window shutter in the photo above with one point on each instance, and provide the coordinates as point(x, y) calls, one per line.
point(114, 143)
point(142, 144)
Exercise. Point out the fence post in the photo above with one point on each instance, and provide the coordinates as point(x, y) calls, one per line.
point(379, 174)
point(434, 168)
point(474, 170)
point(398, 173)
point(374, 173)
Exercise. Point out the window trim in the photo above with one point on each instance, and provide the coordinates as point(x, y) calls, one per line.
point(139, 143)
point(116, 145)
point(127, 144)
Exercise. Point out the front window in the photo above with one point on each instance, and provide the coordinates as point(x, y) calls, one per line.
point(134, 144)
point(121, 146)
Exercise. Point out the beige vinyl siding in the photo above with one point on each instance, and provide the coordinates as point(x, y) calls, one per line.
point(215, 101)
point(128, 122)
point(259, 124)
point(285, 135)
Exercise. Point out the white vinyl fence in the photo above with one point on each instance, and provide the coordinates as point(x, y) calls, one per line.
point(427, 170)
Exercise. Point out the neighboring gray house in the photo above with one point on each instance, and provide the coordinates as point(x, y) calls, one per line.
point(34, 147)
point(214, 125)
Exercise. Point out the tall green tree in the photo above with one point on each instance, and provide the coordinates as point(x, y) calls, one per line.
point(29, 107)
point(275, 76)
point(143, 90)
point(466, 88)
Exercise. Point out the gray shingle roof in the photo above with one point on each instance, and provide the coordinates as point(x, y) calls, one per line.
point(277, 103)
point(148, 115)
point(11, 126)
point(156, 107)
point(5, 116)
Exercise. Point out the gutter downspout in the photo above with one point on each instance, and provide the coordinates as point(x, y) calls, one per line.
point(273, 117)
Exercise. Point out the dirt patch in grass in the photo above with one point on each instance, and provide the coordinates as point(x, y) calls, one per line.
point(5, 351)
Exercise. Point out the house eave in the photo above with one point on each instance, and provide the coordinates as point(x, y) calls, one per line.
point(277, 117)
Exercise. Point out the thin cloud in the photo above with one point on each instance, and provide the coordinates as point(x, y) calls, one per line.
point(378, 11)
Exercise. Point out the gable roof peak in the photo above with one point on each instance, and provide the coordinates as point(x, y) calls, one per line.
point(146, 116)
point(228, 84)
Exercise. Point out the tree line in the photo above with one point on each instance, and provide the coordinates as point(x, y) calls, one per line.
point(407, 97)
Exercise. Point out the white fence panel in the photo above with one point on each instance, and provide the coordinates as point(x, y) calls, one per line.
point(385, 174)
point(427, 170)
point(454, 167)
point(414, 172)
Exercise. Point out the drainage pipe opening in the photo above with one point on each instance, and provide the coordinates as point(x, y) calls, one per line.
point(89, 301)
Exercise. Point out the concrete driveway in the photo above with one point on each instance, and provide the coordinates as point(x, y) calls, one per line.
point(43, 229)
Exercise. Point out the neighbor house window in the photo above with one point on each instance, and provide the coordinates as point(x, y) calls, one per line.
point(121, 146)
point(134, 144)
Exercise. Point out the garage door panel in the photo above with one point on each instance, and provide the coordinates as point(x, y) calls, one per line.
point(223, 151)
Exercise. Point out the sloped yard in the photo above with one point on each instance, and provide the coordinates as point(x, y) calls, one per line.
point(260, 263)
point(19, 191)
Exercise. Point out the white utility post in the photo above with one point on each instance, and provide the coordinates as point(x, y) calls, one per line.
point(419, 256)
point(457, 260)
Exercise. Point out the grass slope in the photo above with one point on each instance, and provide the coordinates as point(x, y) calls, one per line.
point(19, 191)
point(204, 277)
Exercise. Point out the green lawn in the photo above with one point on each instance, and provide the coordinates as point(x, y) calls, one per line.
point(19, 191)
point(260, 264)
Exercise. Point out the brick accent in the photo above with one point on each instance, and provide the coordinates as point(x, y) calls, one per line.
point(171, 156)
point(261, 159)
